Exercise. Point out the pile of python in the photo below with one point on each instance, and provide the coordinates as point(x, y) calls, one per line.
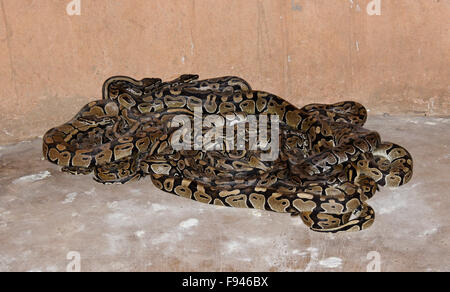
point(327, 167)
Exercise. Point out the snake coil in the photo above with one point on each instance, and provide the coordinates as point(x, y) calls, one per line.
point(327, 168)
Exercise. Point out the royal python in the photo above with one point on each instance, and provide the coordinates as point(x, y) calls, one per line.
point(327, 167)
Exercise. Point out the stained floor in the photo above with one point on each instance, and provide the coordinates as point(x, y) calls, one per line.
point(52, 221)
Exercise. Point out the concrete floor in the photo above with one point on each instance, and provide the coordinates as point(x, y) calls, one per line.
point(46, 214)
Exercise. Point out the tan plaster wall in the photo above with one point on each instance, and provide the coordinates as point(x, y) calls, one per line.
point(306, 51)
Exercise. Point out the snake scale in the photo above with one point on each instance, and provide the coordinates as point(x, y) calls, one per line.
point(326, 169)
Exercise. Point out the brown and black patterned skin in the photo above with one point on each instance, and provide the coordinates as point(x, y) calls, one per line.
point(327, 168)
